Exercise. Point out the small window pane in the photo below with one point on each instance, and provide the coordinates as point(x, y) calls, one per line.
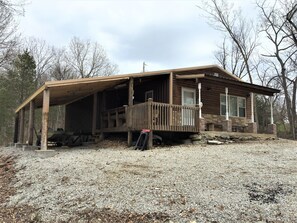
point(241, 112)
point(241, 102)
point(223, 109)
point(223, 104)
point(223, 99)
point(233, 106)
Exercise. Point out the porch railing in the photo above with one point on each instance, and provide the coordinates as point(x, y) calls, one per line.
point(152, 115)
point(163, 117)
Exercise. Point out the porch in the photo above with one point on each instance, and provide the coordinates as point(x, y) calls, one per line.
point(151, 115)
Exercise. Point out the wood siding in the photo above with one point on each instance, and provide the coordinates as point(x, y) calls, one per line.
point(210, 94)
point(78, 115)
point(211, 91)
point(159, 85)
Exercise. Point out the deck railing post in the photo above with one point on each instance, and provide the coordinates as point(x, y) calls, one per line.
point(149, 113)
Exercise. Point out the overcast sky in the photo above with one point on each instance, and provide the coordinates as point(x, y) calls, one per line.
point(165, 34)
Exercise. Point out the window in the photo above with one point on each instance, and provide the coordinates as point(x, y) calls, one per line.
point(223, 104)
point(236, 105)
point(149, 94)
point(233, 111)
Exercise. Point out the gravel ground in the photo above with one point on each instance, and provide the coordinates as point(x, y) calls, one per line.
point(245, 182)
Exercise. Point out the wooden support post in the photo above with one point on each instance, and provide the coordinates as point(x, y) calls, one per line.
point(170, 97)
point(130, 138)
point(227, 104)
point(31, 122)
point(22, 125)
point(45, 111)
point(95, 111)
point(16, 128)
point(149, 113)
point(252, 107)
point(199, 100)
point(129, 111)
point(271, 110)
point(131, 92)
point(150, 140)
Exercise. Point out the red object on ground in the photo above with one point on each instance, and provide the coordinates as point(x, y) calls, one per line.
point(145, 130)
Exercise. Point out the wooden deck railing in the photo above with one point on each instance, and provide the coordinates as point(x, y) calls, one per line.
point(152, 115)
point(114, 119)
point(164, 117)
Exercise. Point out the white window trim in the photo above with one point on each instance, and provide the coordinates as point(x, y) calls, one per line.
point(193, 90)
point(238, 97)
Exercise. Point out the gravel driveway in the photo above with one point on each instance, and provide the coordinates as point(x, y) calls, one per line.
point(245, 182)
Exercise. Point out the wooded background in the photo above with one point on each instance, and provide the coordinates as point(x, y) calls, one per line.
point(264, 53)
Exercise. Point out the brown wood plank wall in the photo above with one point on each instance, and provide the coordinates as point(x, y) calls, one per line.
point(160, 86)
point(78, 115)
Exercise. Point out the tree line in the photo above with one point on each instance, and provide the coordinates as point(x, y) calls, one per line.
point(262, 50)
point(26, 63)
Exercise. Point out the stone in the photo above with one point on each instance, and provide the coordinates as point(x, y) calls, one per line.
point(214, 142)
point(197, 138)
point(227, 125)
point(252, 127)
point(196, 142)
point(271, 129)
point(193, 136)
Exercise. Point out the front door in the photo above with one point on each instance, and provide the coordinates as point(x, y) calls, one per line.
point(188, 99)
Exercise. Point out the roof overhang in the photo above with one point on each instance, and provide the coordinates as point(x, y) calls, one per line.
point(253, 87)
point(67, 91)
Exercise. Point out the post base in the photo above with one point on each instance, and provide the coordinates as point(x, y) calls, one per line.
point(271, 129)
point(227, 126)
point(252, 127)
point(202, 124)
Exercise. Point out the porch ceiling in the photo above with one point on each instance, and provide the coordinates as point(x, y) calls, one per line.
point(64, 92)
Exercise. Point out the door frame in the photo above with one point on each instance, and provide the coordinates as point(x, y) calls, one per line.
point(192, 90)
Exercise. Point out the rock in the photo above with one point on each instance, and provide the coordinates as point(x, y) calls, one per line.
point(225, 137)
point(193, 136)
point(197, 138)
point(196, 142)
point(214, 142)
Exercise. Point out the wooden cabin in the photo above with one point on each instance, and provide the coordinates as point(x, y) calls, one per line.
point(192, 100)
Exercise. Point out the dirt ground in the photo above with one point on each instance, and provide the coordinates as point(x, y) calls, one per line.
point(22, 213)
point(241, 182)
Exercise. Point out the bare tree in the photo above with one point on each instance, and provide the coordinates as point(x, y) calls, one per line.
point(230, 58)
point(44, 56)
point(238, 29)
point(8, 25)
point(60, 69)
point(275, 26)
point(89, 59)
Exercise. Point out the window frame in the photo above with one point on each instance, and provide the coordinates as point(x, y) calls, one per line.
point(237, 109)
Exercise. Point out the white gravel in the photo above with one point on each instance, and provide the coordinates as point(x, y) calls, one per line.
point(227, 183)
